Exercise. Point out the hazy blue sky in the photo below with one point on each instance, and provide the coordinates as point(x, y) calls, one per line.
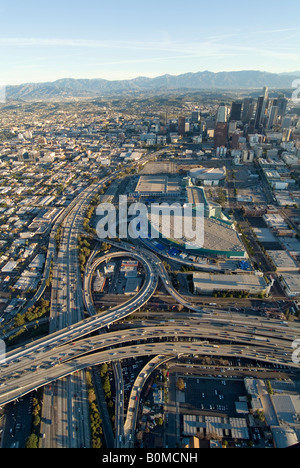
point(124, 39)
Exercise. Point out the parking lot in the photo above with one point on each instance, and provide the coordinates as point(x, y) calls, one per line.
point(213, 395)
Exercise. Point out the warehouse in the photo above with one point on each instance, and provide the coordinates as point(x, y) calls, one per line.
point(9, 267)
point(132, 286)
point(235, 428)
point(207, 283)
point(291, 283)
point(157, 186)
point(282, 261)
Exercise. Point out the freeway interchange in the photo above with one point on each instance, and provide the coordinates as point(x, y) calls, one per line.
point(76, 343)
point(67, 351)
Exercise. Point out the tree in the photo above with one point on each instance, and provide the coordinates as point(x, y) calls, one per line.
point(36, 420)
point(91, 395)
point(106, 386)
point(260, 415)
point(180, 384)
point(36, 410)
point(19, 320)
point(32, 441)
point(159, 421)
point(104, 370)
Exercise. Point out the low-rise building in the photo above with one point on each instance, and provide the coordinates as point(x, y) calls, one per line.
point(291, 283)
point(208, 283)
point(282, 261)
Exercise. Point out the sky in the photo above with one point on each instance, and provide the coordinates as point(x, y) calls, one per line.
point(116, 40)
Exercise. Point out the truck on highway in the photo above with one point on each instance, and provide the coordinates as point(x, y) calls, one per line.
point(260, 338)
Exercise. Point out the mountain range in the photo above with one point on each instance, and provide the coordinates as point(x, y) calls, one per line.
point(77, 88)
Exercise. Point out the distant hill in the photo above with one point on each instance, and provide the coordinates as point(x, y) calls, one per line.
point(76, 88)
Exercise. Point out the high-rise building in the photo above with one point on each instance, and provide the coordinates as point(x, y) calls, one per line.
point(181, 126)
point(282, 103)
point(262, 105)
point(260, 111)
point(223, 113)
point(195, 116)
point(220, 134)
point(246, 109)
point(236, 110)
point(272, 116)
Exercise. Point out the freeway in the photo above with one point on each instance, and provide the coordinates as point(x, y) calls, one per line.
point(119, 410)
point(19, 385)
point(32, 369)
point(133, 405)
point(42, 362)
point(93, 323)
point(67, 309)
point(150, 282)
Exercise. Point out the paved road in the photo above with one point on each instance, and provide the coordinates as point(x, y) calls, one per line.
point(17, 379)
point(67, 325)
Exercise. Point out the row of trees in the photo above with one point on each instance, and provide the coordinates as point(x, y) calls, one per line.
point(33, 439)
point(95, 418)
point(84, 247)
point(90, 212)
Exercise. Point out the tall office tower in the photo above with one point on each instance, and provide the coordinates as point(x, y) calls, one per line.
point(181, 126)
point(262, 104)
point(266, 93)
point(220, 134)
point(246, 109)
point(282, 103)
point(259, 111)
point(164, 118)
point(236, 110)
point(272, 116)
point(223, 113)
point(195, 116)
point(173, 126)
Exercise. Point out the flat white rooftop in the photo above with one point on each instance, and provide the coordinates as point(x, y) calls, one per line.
point(208, 282)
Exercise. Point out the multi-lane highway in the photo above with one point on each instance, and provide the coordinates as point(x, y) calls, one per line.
point(58, 361)
point(133, 404)
point(22, 375)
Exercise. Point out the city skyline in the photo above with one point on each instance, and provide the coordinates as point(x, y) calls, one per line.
point(116, 42)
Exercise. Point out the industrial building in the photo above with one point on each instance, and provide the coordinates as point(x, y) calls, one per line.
point(9, 267)
point(291, 283)
point(132, 286)
point(208, 283)
point(235, 428)
point(284, 437)
point(157, 186)
point(109, 269)
point(283, 261)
